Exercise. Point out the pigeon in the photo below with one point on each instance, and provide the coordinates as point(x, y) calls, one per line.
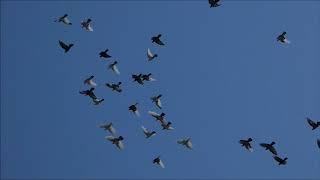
point(186, 142)
point(158, 117)
point(116, 140)
point(150, 55)
point(269, 147)
point(97, 101)
point(246, 144)
point(156, 39)
point(280, 160)
point(90, 81)
point(148, 133)
point(86, 24)
point(134, 109)
point(166, 125)
point(156, 100)
point(146, 77)
point(138, 78)
point(214, 3)
point(318, 142)
point(313, 124)
point(108, 127)
point(114, 68)
point(115, 87)
point(158, 161)
point(282, 38)
point(64, 19)
point(104, 54)
point(89, 93)
point(65, 46)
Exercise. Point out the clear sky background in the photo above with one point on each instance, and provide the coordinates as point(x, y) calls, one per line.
point(222, 75)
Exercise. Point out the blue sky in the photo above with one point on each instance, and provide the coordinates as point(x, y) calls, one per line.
point(222, 75)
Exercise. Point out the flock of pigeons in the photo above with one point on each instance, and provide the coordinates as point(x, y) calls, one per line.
point(141, 79)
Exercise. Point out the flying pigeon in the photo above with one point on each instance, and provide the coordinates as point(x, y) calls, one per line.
point(114, 68)
point(214, 3)
point(146, 77)
point(108, 127)
point(156, 39)
point(269, 147)
point(313, 124)
point(134, 109)
point(186, 142)
point(90, 81)
point(166, 125)
point(64, 19)
point(138, 78)
point(280, 160)
point(89, 93)
point(116, 140)
point(282, 38)
point(150, 55)
point(158, 161)
point(158, 117)
point(104, 54)
point(148, 133)
point(246, 144)
point(115, 87)
point(97, 101)
point(156, 100)
point(86, 24)
point(65, 46)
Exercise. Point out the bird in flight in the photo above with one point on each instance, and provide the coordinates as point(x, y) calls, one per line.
point(116, 141)
point(269, 147)
point(115, 87)
point(156, 39)
point(150, 55)
point(114, 68)
point(64, 19)
point(133, 108)
point(157, 101)
point(137, 78)
point(89, 81)
point(147, 133)
point(86, 24)
point(97, 101)
point(104, 54)
point(246, 144)
point(214, 3)
point(158, 161)
point(186, 142)
point(65, 46)
point(314, 125)
point(89, 93)
point(282, 38)
point(108, 127)
point(280, 160)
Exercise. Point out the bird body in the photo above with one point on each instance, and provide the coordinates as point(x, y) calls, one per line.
point(64, 46)
point(86, 24)
point(116, 140)
point(314, 125)
point(281, 38)
point(158, 117)
point(150, 55)
point(115, 87)
point(214, 3)
point(138, 78)
point(64, 19)
point(89, 93)
point(280, 160)
point(104, 54)
point(147, 133)
point(186, 142)
point(90, 81)
point(108, 127)
point(134, 109)
point(156, 39)
point(157, 101)
point(246, 144)
point(269, 147)
point(114, 68)
point(158, 161)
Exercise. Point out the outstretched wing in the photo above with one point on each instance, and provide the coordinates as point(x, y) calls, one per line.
point(149, 54)
point(115, 69)
point(110, 138)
